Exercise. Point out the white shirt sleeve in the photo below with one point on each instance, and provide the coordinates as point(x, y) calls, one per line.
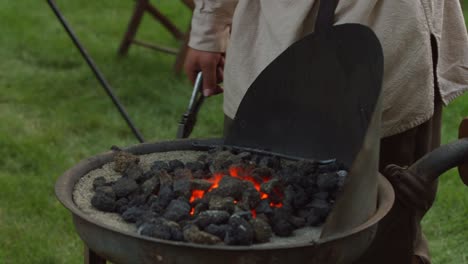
point(211, 23)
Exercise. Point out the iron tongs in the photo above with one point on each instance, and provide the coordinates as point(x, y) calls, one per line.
point(187, 123)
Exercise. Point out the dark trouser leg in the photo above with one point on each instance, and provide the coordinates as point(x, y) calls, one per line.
point(406, 148)
point(227, 124)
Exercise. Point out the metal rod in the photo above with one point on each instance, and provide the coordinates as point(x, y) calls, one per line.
point(206, 147)
point(96, 71)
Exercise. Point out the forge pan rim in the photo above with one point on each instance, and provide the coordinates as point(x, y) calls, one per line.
point(65, 185)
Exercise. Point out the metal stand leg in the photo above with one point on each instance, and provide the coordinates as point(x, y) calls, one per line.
point(90, 257)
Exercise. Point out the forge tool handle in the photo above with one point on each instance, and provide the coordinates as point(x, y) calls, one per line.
point(454, 154)
point(189, 118)
point(463, 133)
point(100, 77)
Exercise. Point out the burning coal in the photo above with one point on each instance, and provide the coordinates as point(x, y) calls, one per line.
point(226, 196)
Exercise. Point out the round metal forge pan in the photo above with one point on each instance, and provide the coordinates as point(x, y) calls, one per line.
point(125, 247)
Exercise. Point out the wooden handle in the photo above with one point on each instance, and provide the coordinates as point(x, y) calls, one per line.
point(463, 133)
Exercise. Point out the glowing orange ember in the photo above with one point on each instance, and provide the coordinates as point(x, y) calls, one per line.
point(196, 194)
point(276, 205)
point(254, 213)
point(215, 180)
point(234, 171)
point(240, 173)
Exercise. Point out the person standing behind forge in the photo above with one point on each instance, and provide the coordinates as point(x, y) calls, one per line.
point(425, 48)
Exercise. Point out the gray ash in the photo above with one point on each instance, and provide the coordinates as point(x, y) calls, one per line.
point(226, 196)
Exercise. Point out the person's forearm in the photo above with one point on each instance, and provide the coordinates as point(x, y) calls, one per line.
point(211, 24)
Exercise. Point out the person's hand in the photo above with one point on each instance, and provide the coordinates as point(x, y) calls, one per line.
point(211, 64)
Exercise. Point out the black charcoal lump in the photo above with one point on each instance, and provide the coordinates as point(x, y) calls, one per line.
point(104, 199)
point(217, 230)
point(230, 186)
point(181, 184)
point(270, 162)
point(280, 222)
point(177, 210)
point(193, 234)
point(201, 174)
point(222, 204)
point(258, 196)
point(250, 198)
point(327, 181)
point(200, 207)
point(162, 229)
point(320, 207)
point(98, 182)
point(202, 185)
point(159, 165)
point(166, 195)
point(124, 186)
point(151, 185)
point(176, 164)
point(264, 208)
point(132, 214)
point(211, 217)
point(262, 230)
point(121, 205)
point(220, 162)
point(135, 173)
point(106, 190)
point(240, 232)
point(165, 179)
point(195, 166)
point(274, 189)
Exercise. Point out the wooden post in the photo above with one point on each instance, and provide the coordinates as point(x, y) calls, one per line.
point(143, 6)
point(180, 59)
point(164, 21)
point(189, 3)
point(135, 21)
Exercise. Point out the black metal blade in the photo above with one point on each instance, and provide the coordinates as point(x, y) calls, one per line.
point(316, 99)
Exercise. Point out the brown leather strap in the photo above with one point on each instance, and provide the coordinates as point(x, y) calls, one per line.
point(326, 15)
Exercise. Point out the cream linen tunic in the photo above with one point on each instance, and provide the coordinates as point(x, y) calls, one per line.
point(255, 32)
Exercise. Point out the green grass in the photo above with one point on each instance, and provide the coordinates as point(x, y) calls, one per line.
point(53, 113)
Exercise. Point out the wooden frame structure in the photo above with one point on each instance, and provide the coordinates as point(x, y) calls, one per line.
point(143, 6)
